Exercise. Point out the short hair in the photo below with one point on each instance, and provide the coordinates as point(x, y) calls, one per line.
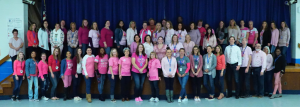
point(151, 19)
point(15, 30)
point(200, 20)
point(231, 37)
point(146, 38)
point(71, 25)
point(145, 22)
point(126, 49)
point(181, 49)
point(111, 52)
point(268, 49)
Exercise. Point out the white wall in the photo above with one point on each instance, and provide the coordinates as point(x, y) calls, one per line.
point(12, 9)
point(295, 32)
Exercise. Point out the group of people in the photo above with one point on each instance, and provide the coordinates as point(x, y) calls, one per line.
point(198, 53)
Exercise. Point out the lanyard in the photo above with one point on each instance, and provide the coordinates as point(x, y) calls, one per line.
point(196, 58)
point(207, 59)
point(140, 58)
point(179, 34)
point(277, 58)
point(33, 34)
point(169, 61)
point(56, 62)
point(181, 60)
point(243, 51)
point(175, 48)
point(21, 65)
point(73, 33)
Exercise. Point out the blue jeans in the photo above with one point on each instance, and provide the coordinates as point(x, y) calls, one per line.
point(273, 48)
point(211, 88)
point(219, 80)
point(244, 79)
point(54, 82)
point(101, 84)
point(44, 84)
point(283, 50)
point(83, 48)
point(88, 83)
point(268, 86)
point(76, 83)
point(139, 82)
point(18, 84)
point(258, 81)
point(112, 85)
point(154, 88)
point(72, 50)
point(33, 80)
point(107, 51)
point(183, 81)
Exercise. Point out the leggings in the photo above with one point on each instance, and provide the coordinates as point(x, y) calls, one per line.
point(67, 80)
point(277, 83)
point(196, 85)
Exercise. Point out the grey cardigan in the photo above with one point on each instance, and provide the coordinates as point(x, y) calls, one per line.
point(212, 65)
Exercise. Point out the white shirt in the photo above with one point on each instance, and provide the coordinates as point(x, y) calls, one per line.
point(43, 38)
point(129, 35)
point(148, 48)
point(181, 35)
point(79, 67)
point(233, 54)
point(175, 49)
point(169, 35)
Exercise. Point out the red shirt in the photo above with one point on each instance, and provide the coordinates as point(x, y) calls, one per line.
point(220, 62)
point(53, 63)
point(202, 31)
point(106, 36)
point(83, 35)
point(32, 38)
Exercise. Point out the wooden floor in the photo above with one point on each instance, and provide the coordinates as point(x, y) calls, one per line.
point(292, 69)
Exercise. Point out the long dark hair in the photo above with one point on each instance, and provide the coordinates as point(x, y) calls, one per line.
point(189, 29)
point(137, 36)
point(182, 28)
point(118, 25)
point(137, 50)
point(101, 55)
point(43, 27)
point(221, 52)
point(210, 34)
point(222, 29)
point(261, 28)
point(77, 56)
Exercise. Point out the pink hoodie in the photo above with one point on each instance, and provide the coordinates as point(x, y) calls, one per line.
point(153, 72)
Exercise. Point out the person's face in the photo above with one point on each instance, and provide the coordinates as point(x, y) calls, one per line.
point(169, 53)
point(121, 24)
point(56, 52)
point(107, 24)
point(57, 26)
point(218, 49)
point(257, 46)
point(250, 24)
point(94, 25)
point(137, 38)
point(145, 25)
point(264, 24)
point(151, 22)
point(68, 54)
point(46, 24)
point(114, 52)
point(188, 38)
point(221, 24)
point(89, 51)
point(33, 54)
point(168, 25)
point(195, 50)
point(192, 26)
point(132, 25)
point(158, 26)
point(43, 57)
point(126, 53)
point(278, 52)
point(15, 34)
point(231, 22)
point(179, 19)
point(160, 40)
point(242, 23)
point(273, 25)
point(141, 48)
point(73, 26)
point(148, 39)
point(180, 27)
point(21, 55)
point(283, 24)
point(199, 23)
point(85, 22)
point(208, 30)
point(181, 52)
point(152, 56)
point(175, 38)
point(231, 40)
point(163, 22)
point(206, 26)
point(79, 51)
point(102, 51)
point(266, 50)
point(208, 49)
point(33, 26)
point(63, 23)
point(244, 42)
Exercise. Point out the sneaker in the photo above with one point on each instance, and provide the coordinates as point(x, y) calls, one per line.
point(151, 99)
point(185, 100)
point(113, 100)
point(278, 96)
point(273, 96)
point(137, 99)
point(198, 99)
point(195, 99)
point(45, 98)
point(140, 99)
point(156, 99)
point(17, 98)
point(179, 100)
point(210, 98)
point(76, 99)
point(79, 98)
point(31, 100)
point(13, 98)
point(36, 100)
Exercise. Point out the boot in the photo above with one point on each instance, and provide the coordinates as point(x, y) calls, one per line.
point(86, 96)
point(68, 91)
point(89, 99)
point(99, 97)
point(65, 94)
point(171, 95)
point(168, 96)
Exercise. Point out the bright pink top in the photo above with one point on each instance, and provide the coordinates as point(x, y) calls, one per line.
point(106, 36)
point(259, 59)
point(69, 67)
point(88, 65)
point(252, 33)
point(18, 66)
point(221, 64)
point(246, 52)
point(275, 37)
point(125, 66)
point(83, 35)
point(202, 32)
point(113, 63)
point(133, 47)
point(140, 61)
point(153, 72)
point(43, 69)
point(102, 66)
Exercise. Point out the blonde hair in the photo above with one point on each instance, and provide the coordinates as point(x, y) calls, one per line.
point(30, 28)
point(93, 26)
point(171, 26)
point(131, 22)
point(18, 56)
point(185, 38)
point(71, 25)
point(154, 55)
point(156, 29)
point(234, 24)
point(111, 52)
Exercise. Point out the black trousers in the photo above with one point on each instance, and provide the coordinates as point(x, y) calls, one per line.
point(232, 72)
point(125, 86)
point(196, 85)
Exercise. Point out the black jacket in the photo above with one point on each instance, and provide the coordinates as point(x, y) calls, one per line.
point(266, 37)
point(279, 64)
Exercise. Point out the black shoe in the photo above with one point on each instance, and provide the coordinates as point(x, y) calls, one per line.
point(266, 94)
point(269, 95)
point(242, 96)
point(65, 94)
point(246, 96)
point(99, 96)
point(102, 98)
point(237, 97)
point(13, 98)
point(228, 96)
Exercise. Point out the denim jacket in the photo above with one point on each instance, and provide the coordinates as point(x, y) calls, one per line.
point(30, 66)
point(63, 67)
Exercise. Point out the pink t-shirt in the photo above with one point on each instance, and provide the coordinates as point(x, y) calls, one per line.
point(88, 65)
point(140, 61)
point(43, 69)
point(246, 52)
point(153, 72)
point(69, 67)
point(113, 62)
point(251, 37)
point(102, 63)
point(125, 63)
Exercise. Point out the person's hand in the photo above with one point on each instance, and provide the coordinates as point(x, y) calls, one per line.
point(253, 45)
point(52, 75)
point(76, 76)
point(183, 75)
point(86, 77)
point(28, 77)
point(170, 75)
point(237, 68)
point(281, 75)
point(105, 45)
point(118, 46)
point(159, 78)
point(23, 77)
point(62, 77)
point(269, 44)
point(206, 70)
point(17, 78)
point(261, 73)
point(43, 79)
point(17, 49)
point(80, 46)
point(221, 75)
point(247, 70)
point(55, 46)
point(120, 76)
point(147, 74)
point(42, 46)
point(287, 44)
point(237, 42)
point(196, 73)
point(112, 77)
point(178, 74)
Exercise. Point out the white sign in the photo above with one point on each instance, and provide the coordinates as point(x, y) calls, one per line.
point(14, 23)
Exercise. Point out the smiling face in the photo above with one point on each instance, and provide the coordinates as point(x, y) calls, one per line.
point(136, 38)
point(45, 24)
point(181, 52)
point(266, 50)
point(85, 22)
point(141, 48)
point(62, 23)
point(218, 49)
point(152, 55)
point(195, 50)
point(242, 23)
point(102, 50)
point(68, 54)
point(179, 26)
point(148, 39)
point(168, 25)
point(250, 24)
point(144, 25)
point(21, 55)
point(160, 40)
point(107, 23)
point(169, 53)
point(114, 53)
point(221, 24)
point(89, 51)
point(33, 54)
point(187, 37)
point(79, 51)
point(126, 52)
point(192, 26)
point(121, 24)
point(56, 26)
point(95, 25)
point(43, 57)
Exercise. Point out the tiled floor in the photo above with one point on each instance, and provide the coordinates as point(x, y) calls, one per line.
point(285, 101)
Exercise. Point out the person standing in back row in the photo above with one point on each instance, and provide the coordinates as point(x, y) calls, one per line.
point(83, 34)
point(234, 60)
point(107, 37)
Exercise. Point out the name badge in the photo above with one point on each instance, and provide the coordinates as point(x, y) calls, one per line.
point(56, 67)
point(141, 64)
point(180, 69)
point(169, 69)
point(196, 66)
point(21, 71)
point(207, 66)
point(112, 37)
point(174, 54)
point(124, 60)
point(72, 41)
point(34, 41)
